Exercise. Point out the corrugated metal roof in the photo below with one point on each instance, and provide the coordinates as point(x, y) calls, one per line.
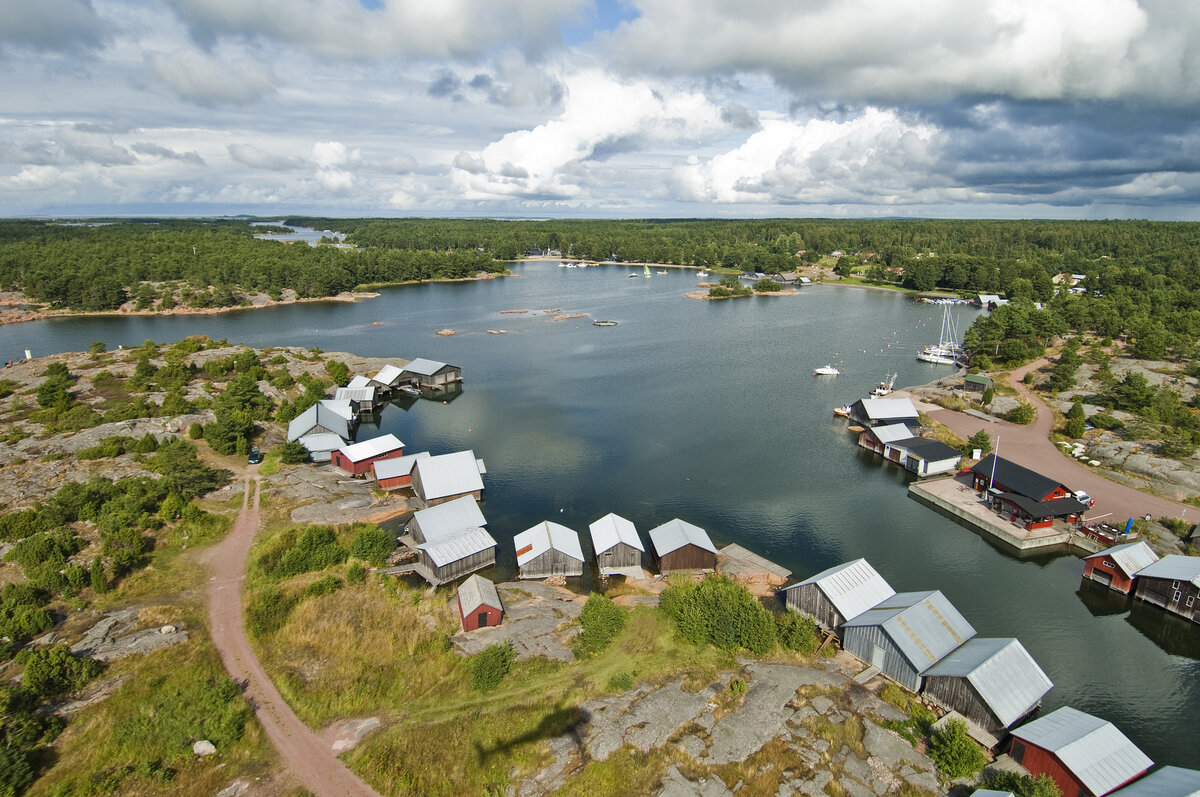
point(1130, 557)
point(467, 543)
point(1093, 749)
point(388, 375)
point(878, 408)
point(676, 533)
point(316, 415)
point(925, 626)
point(359, 380)
point(611, 530)
point(339, 405)
point(400, 466)
point(1165, 782)
point(424, 367)
point(929, 450)
point(445, 520)
point(1176, 568)
point(374, 447)
point(354, 393)
point(1002, 672)
point(477, 591)
point(852, 588)
point(449, 474)
point(534, 542)
point(891, 432)
point(322, 441)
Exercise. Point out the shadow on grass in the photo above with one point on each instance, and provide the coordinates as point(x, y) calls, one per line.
point(559, 721)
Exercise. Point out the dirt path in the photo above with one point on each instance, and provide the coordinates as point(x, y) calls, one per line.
point(308, 759)
point(1030, 446)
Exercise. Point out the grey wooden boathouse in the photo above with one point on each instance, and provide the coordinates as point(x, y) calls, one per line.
point(424, 373)
point(457, 556)
point(838, 594)
point(548, 549)
point(616, 543)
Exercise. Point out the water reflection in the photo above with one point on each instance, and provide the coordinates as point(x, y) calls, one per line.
point(1100, 600)
point(1172, 633)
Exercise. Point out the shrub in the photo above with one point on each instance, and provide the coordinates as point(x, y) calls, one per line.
point(981, 441)
point(316, 549)
point(1103, 420)
point(147, 445)
point(490, 665)
point(15, 771)
point(767, 286)
point(21, 613)
point(721, 613)
point(356, 573)
point(601, 620)
point(324, 585)
point(195, 431)
point(293, 453)
point(338, 371)
point(1075, 428)
point(737, 686)
point(19, 525)
point(372, 544)
point(268, 611)
point(954, 752)
point(796, 632)
point(54, 670)
point(620, 682)
point(1020, 785)
point(1021, 414)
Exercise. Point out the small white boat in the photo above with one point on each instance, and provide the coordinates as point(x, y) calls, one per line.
point(701, 273)
point(409, 390)
point(662, 272)
point(885, 387)
point(826, 370)
point(842, 411)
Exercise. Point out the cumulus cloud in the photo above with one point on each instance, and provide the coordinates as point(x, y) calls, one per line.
point(208, 79)
point(257, 158)
point(63, 25)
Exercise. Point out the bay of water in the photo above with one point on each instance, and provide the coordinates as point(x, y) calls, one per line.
point(708, 411)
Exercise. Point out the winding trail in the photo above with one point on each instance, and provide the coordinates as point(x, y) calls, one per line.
point(306, 756)
point(1030, 446)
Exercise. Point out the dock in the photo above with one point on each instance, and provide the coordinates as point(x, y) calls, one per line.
point(746, 566)
point(412, 568)
point(951, 497)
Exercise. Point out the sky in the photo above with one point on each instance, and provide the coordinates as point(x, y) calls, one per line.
point(602, 108)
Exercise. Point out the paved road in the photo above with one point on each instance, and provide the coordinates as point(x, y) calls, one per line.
point(1030, 446)
point(308, 759)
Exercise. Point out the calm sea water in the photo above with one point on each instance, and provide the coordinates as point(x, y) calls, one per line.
point(709, 411)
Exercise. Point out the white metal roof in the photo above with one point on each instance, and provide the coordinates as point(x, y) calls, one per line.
point(388, 375)
point(1130, 557)
point(877, 408)
point(1094, 750)
point(612, 529)
point(355, 393)
point(532, 543)
point(450, 474)
point(1002, 672)
point(674, 534)
point(424, 367)
point(322, 441)
point(892, 432)
point(852, 588)
point(339, 405)
point(467, 543)
point(359, 381)
point(1165, 782)
point(399, 466)
point(477, 591)
point(925, 626)
point(446, 520)
point(1175, 567)
point(316, 415)
point(376, 446)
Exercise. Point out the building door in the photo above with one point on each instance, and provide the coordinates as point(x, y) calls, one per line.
point(483, 619)
point(877, 654)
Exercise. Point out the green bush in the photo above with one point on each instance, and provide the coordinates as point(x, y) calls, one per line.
point(325, 585)
point(738, 686)
point(195, 431)
point(954, 751)
point(620, 682)
point(54, 670)
point(490, 665)
point(767, 286)
point(1103, 420)
point(268, 611)
point(147, 445)
point(1020, 785)
point(1022, 414)
point(356, 573)
point(981, 441)
point(601, 621)
point(721, 613)
point(15, 771)
point(372, 544)
point(293, 453)
point(21, 614)
point(316, 548)
point(19, 525)
point(107, 448)
point(1076, 428)
point(796, 632)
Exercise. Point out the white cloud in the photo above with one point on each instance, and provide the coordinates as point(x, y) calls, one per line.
point(64, 25)
point(257, 158)
point(208, 79)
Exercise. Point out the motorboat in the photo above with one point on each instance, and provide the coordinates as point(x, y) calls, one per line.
point(826, 370)
point(885, 387)
point(842, 411)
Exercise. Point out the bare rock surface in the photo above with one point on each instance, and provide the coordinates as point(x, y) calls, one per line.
point(111, 637)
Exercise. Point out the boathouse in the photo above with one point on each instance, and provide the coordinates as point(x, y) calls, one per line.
point(548, 549)
point(318, 420)
point(361, 399)
point(977, 383)
point(388, 378)
point(1165, 782)
point(479, 604)
point(1082, 754)
point(838, 594)
point(424, 373)
point(1173, 583)
point(1117, 567)
point(998, 475)
point(906, 634)
point(1036, 514)
point(456, 556)
point(994, 683)
point(878, 438)
point(617, 545)
point(342, 407)
point(436, 480)
point(358, 380)
point(321, 445)
point(358, 458)
point(446, 520)
point(926, 457)
point(678, 545)
point(392, 474)
point(883, 411)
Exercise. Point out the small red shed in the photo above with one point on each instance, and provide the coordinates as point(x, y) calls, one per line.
point(479, 603)
point(1117, 566)
point(358, 458)
point(1082, 754)
point(392, 474)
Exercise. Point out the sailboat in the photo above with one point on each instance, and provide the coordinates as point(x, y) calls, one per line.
point(947, 350)
point(646, 272)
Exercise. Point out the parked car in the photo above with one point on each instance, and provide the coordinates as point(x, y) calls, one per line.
point(255, 456)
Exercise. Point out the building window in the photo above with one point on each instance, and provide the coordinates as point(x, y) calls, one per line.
point(1176, 598)
point(1174, 585)
point(1190, 601)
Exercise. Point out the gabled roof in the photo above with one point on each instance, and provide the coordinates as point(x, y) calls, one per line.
point(450, 474)
point(387, 375)
point(1091, 748)
point(925, 626)
point(375, 447)
point(316, 415)
point(339, 405)
point(355, 393)
point(321, 441)
point(460, 546)
point(359, 381)
point(424, 367)
point(446, 520)
point(852, 588)
point(977, 379)
point(890, 433)
point(929, 450)
point(398, 466)
point(1131, 557)
point(612, 530)
point(1165, 782)
point(1003, 673)
point(477, 591)
point(534, 542)
point(1174, 567)
point(1040, 510)
point(889, 408)
point(1016, 478)
point(674, 534)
